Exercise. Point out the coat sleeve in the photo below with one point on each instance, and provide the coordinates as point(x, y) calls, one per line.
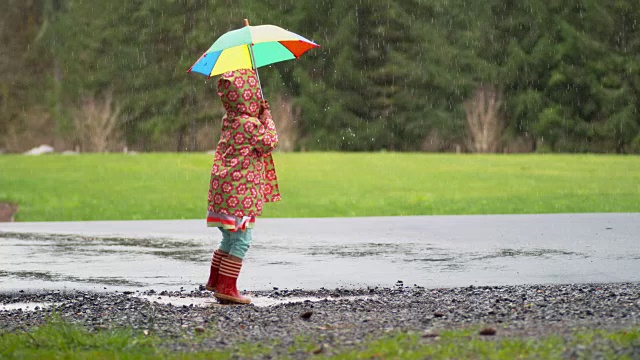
point(265, 136)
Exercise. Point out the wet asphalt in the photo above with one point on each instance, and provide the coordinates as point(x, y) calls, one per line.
point(428, 251)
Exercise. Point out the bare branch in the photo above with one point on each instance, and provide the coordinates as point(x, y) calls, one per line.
point(485, 122)
point(96, 123)
point(285, 115)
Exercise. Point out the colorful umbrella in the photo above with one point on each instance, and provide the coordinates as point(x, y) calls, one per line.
point(251, 47)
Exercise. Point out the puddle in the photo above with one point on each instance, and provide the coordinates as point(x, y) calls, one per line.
point(310, 254)
point(26, 306)
point(260, 301)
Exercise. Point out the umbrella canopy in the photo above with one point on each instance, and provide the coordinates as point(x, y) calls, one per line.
point(251, 47)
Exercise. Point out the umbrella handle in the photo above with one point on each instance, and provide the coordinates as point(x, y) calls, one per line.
point(245, 22)
point(255, 68)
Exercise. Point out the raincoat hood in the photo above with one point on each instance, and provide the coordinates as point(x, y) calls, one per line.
point(240, 93)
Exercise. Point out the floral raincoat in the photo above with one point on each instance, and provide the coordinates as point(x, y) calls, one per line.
point(243, 176)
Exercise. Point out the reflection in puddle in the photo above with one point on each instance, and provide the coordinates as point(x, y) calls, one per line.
point(367, 249)
point(287, 263)
point(506, 253)
point(260, 301)
point(437, 259)
point(54, 277)
point(74, 242)
point(196, 255)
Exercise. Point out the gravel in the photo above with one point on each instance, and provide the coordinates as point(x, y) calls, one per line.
point(346, 317)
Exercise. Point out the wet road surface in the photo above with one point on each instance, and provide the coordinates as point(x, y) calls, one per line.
point(430, 251)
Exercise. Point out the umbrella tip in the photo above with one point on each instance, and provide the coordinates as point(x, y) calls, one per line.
point(246, 22)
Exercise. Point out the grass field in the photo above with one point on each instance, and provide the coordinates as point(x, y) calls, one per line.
point(62, 340)
point(174, 186)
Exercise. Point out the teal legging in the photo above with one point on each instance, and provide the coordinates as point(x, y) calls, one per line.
point(235, 243)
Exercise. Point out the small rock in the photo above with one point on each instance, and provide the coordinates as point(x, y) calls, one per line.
point(320, 349)
point(488, 331)
point(430, 334)
point(40, 150)
point(306, 315)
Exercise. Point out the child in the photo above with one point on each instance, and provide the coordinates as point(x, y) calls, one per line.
point(243, 177)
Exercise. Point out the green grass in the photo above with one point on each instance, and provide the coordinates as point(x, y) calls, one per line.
point(464, 344)
point(174, 186)
point(61, 340)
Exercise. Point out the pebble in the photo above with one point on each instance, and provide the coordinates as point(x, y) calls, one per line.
point(306, 315)
point(430, 334)
point(488, 331)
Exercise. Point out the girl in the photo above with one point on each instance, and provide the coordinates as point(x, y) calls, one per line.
point(243, 177)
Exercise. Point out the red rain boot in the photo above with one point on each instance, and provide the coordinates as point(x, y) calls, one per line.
point(227, 291)
point(215, 268)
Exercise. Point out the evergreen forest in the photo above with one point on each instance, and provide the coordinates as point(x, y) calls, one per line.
point(404, 75)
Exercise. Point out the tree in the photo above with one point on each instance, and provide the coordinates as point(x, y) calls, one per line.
point(484, 120)
point(382, 79)
point(565, 72)
point(389, 75)
point(140, 50)
point(22, 71)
